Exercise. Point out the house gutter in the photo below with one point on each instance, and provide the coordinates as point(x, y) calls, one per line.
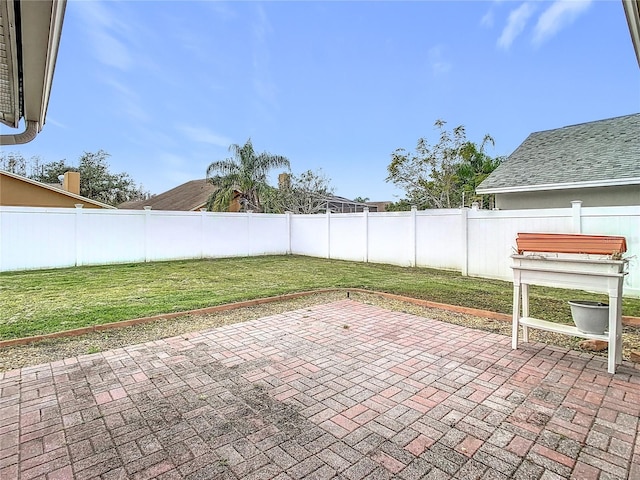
point(30, 132)
point(632, 12)
point(616, 182)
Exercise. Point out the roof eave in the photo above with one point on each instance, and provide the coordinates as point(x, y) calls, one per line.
point(10, 114)
point(616, 182)
point(41, 31)
point(31, 34)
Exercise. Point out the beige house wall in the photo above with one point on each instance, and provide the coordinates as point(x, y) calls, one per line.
point(590, 197)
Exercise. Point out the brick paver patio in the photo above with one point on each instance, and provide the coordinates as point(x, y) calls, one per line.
point(343, 390)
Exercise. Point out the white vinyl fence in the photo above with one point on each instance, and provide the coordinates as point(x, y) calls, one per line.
point(474, 242)
point(61, 237)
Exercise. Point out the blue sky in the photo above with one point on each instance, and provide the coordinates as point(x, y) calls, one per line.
point(165, 87)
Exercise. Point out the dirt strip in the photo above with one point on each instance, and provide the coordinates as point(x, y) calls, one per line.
point(18, 353)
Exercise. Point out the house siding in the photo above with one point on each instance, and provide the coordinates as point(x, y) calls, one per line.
point(17, 193)
point(590, 197)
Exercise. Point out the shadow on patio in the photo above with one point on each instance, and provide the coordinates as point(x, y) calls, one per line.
point(342, 390)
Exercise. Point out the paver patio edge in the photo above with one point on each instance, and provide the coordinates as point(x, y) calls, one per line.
point(626, 320)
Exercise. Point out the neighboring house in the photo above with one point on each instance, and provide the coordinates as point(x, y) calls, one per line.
point(596, 162)
point(378, 206)
point(344, 205)
point(19, 191)
point(193, 196)
point(188, 197)
point(29, 35)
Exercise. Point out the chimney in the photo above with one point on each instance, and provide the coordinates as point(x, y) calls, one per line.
point(71, 182)
point(284, 181)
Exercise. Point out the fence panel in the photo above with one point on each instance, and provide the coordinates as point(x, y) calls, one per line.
point(173, 235)
point(309, 235)
point(491, 236)
point(37, 238)
point(623, 221)
point(110, 236)
point(225, 235)
point(348, 236)
point(267, 234)
point(390, 238)
point(439, 239)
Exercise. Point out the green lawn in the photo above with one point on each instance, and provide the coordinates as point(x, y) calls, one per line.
point(45, 301)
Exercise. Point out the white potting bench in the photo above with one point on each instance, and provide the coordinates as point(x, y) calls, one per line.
point(580, 272)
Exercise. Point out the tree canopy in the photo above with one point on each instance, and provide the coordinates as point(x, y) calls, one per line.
point(444, 175)
point(243, 176)
point(304, 193)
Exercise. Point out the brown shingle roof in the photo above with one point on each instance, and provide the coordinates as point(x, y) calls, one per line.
point(190, 196)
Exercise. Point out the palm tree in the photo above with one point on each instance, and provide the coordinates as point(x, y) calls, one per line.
point(242, 177)
point(474, 168)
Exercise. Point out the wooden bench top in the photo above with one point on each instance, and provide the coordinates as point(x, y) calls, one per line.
point(571, 243)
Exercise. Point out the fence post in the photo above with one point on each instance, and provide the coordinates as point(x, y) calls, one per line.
point(576, 213)
point(147, 214)
point(78, 234)
point(249, 217)
point(328, 233)
point(413, 246)
point(202, 239)
point(287, 216)
point(464, 218)
point(365, 216)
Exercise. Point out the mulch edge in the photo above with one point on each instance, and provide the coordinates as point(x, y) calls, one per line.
point(626, 320)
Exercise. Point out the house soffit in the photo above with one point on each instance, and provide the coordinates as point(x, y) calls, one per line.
point(9, 86)
point(29, 38)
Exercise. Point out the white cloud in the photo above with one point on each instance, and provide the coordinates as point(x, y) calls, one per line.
point(437, 61)
point(119, 87)
point(130, 104)
point(111, 51)
point(263, 83)
point(204, 135)
point(222, 10)
point(515, 24)
point(487, 19)
point(104, 29)
point(559, 15)
point(171, 159)
point(52, 121)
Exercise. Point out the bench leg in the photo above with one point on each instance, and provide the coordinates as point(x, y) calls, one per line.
point(525, 311)
point(615, 332)
point(516, 316)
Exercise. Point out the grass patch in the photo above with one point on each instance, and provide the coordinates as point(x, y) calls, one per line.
point(46, 301)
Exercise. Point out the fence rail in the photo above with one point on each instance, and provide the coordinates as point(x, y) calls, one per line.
point(475, 242)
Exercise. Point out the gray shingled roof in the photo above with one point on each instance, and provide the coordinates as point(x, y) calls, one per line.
point(587, 154)
point(186, 197)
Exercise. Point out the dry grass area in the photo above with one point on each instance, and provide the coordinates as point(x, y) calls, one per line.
point(61, 348)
